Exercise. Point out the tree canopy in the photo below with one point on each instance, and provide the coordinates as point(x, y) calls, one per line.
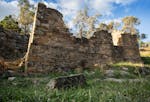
point(10, 23)
point(85, 24)
point(26, 15)
point(129, 24)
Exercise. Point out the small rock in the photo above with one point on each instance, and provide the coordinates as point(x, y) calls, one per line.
point(124, 80)
point(14, 84)
point(11, 78)
point(124, 73)
point(136, 80)
point(114, 80)
point(125, 69)
point(109, 73)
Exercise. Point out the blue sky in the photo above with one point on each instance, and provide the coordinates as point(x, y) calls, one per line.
point(110, 9)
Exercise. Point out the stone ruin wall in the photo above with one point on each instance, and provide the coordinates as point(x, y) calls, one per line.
point(130, 48)
point(54, 48)
point(13, 47)
point(125, 47)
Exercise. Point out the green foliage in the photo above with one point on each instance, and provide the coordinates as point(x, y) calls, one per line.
point(143, 36)
point(10, 23)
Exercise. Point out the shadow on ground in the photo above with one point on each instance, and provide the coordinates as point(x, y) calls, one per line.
point(146, 60)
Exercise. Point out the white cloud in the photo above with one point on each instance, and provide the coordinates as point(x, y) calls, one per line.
point(123, 2)
point(70, 24)
point(101, 6)
point(7, 8)
point(68, 8)
point(106, 7)
point(118, 20)
point(51, 4)
point(70, 4)
point(32, 2)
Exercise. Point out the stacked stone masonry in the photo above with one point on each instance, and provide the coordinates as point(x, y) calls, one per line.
point(13, 47)
point(55, 48)
point(52, 47)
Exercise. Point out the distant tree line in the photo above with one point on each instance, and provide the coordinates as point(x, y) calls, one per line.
point(85, 25)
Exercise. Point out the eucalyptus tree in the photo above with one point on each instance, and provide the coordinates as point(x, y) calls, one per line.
point(103, 26)
point(85, 24)
point(26, 15)
point(129, 24)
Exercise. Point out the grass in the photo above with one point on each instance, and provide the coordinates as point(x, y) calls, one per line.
point(145, 53)
point(146, 60)
point(33, 88)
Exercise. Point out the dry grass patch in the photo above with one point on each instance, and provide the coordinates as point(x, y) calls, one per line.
point(145, 52)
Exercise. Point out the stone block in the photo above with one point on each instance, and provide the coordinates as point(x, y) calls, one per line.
point(67, 82)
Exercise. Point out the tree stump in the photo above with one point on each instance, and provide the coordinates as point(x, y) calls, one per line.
point(64, 82)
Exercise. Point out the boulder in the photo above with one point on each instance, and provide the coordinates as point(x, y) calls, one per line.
point(67, 82)
point(144, 70)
